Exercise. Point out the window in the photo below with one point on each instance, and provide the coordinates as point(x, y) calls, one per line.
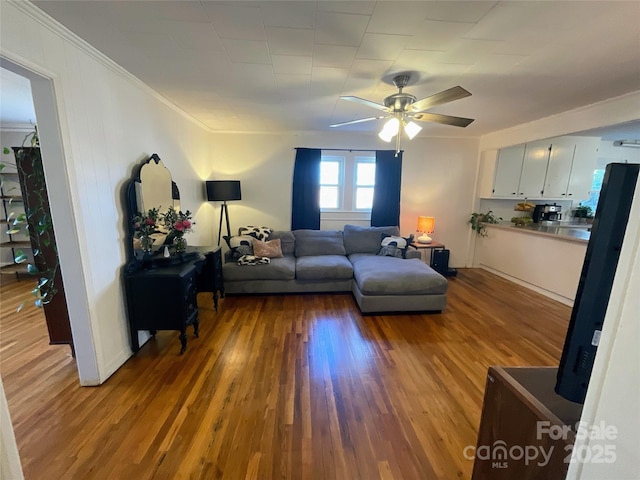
point(596, 186)
point(331, 169)
point(347, 182)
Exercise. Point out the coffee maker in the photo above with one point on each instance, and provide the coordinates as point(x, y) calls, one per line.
point(547, 213)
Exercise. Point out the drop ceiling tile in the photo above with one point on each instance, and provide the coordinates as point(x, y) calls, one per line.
point(340, 29)
point(291, 64)
point(290, 41)
point(195, 36)
point(293, 87)
point(247, 51)
point(437, 35)
point(288, 14)
point(466, 11)
point(416, 60)
point(359, 8)
point(180, 11)
point(469, 52)
point(376, 46)
point(396, 17)
point(293, 81)
point(152, 44)
point(234, 20)
point(333, 56)
point(371, 69)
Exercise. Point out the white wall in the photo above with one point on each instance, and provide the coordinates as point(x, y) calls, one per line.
point(608, 153)
point(109, 122)
point(438, 178)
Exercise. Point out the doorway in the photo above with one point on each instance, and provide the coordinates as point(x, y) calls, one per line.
point(46, 107)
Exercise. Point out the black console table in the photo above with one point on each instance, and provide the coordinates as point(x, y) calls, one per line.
point(162, 292)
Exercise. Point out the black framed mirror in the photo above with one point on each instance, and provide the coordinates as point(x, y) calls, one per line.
point(151, 186)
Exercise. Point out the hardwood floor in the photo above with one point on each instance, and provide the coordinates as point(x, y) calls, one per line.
point(295, 387)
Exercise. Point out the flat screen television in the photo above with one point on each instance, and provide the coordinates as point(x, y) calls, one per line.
point(596, 280)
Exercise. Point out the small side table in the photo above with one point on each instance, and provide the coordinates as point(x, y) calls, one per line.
point(430, 246)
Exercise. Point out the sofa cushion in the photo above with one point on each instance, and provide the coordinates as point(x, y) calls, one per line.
point(287, 241)
point(365, 239)
point(318, 242)
point(270, 249)
point(279, 269)
point(240, 245)
point(377, 275)
point(394, 246)
point(323, 267)
point(261, 233)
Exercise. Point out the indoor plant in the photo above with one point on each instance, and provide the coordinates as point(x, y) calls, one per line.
point(177, 223)
point(478, 221)
point(145, 225)
point(583, 212)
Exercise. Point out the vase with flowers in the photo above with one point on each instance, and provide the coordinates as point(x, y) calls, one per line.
point(178, 223)
point(145, 225)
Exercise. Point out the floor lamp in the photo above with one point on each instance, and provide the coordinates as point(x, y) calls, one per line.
point(223, 191)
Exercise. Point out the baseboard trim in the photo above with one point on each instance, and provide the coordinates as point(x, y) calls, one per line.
point(547, 293)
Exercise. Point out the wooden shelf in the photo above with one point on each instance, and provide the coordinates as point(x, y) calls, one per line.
point(13, 198)
point(17, 244)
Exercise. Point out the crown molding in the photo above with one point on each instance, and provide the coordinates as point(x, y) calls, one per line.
point(67, 35)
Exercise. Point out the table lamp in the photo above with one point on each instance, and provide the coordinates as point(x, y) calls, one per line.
point(425, 226)
point(223, 191)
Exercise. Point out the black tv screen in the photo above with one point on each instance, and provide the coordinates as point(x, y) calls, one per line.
point(596, 280)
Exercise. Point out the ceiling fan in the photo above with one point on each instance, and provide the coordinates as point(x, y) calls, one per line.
point(403, 108)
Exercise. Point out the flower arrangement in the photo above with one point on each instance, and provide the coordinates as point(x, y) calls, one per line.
point(144, 225)
point(178, 223)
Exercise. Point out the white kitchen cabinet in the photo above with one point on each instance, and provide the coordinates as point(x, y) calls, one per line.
point(559, 169)
point(508, 170)
point(534, 169)
point(486, 173)
point(556, 168)
point(585, 159)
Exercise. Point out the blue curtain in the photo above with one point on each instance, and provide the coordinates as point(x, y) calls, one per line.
point(305, 198)
point(386, 194)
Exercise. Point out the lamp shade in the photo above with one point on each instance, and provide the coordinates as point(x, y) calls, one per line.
point(426, 224)
point(223, 190)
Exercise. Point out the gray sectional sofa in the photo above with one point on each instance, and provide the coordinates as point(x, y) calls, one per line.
point(343, 261)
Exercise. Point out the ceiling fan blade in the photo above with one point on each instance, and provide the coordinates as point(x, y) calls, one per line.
point(366, 102)
point(446, 96)
point(357, 121)
point(444, 119)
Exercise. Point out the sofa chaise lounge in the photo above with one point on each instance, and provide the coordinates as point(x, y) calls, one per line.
point(342, 261)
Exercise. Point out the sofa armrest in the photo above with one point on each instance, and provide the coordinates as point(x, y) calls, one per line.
point(412, 253)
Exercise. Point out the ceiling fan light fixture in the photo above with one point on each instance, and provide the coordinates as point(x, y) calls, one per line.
point(390, 129)
point(411, 129)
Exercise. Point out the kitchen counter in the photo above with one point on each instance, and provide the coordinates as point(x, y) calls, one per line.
point(579, 233)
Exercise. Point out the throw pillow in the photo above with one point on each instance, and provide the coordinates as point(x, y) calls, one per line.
point(240, 245)
point(394, 246)
point(270, 249)
point(250, 260)
point(261, 233)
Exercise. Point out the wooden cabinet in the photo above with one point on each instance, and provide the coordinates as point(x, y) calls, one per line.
point(162, 295)
point(508, 170)
point(527, 431)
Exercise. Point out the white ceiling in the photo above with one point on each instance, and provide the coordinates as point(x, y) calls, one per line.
point(269, 66)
